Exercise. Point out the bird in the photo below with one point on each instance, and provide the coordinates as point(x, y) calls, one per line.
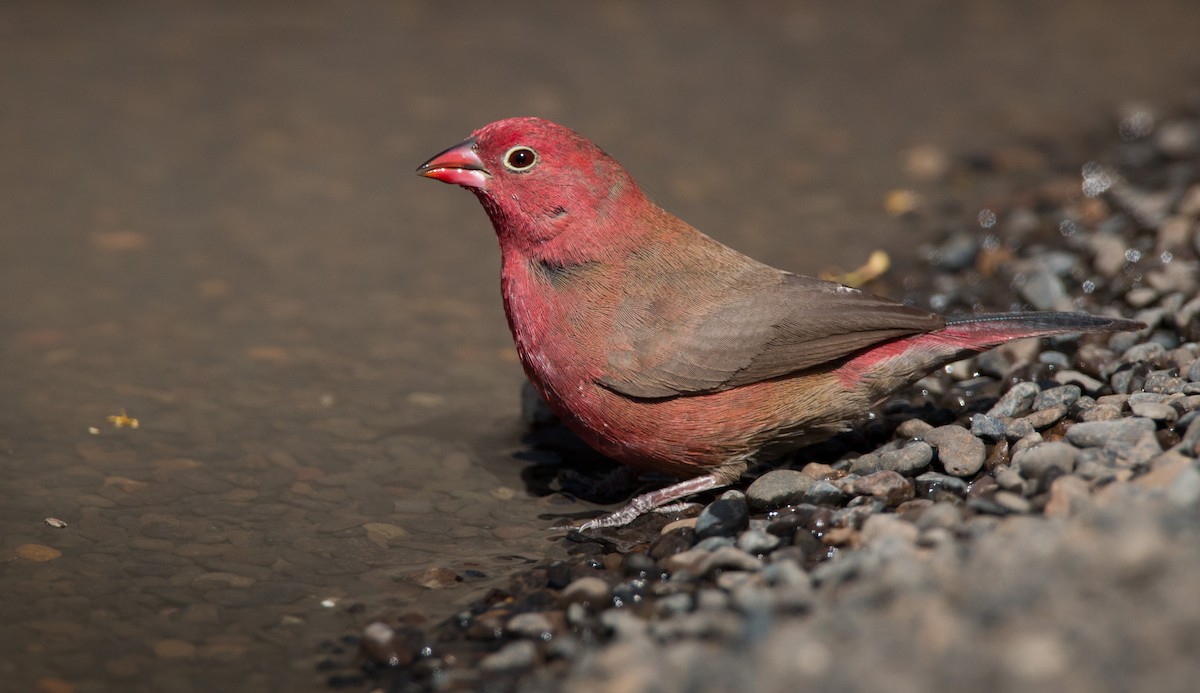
point(668, 351)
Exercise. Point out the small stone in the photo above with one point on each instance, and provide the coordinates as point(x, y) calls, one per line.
point(1065, 396)
point(988, 427)
point(909, 460)
point(723, 518)
point(1101, 412)
point(533, 625)
point(1036, 461)
point(729, 558)
point(778, 488)
point(887, 486)
point(1092, 434)
point(826, 493)
point(36, 553)
point(960, 453)
point(757, 542)
point(1044, 418)
point(1009, 480)
point(1157, 411)
point(589, 591)
point(1016, 401)
point(930, 484)
point(515, 655)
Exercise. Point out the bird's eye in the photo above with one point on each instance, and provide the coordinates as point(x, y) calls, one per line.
point(520, 159)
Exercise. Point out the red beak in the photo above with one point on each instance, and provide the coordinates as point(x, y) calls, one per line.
point(459, 165)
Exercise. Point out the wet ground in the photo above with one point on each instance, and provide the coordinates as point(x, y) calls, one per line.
point(210, 224)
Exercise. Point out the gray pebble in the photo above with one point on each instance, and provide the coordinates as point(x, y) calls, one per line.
point(1034, 462)
point(1016, 401)
point(1045, 418)
point(1155, 410)
point(1101, 412)
point(723, 518)
point(825, 493)
point(778, 488)
point(960, 453)
point(931, 483)
point(1092, 434)
point(908, 460)
point(1065, 395)
point(988, 427)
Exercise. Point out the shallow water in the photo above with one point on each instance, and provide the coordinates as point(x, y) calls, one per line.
point(210, 223)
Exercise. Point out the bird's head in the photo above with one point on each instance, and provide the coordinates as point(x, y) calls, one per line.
point(538, 180)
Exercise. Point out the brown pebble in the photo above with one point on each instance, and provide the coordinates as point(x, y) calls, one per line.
point(36, 553)
point(434, 578)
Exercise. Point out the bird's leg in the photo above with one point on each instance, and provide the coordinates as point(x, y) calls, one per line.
point(649, 501)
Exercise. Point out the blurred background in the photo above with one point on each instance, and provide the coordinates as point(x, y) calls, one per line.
point(209, 224)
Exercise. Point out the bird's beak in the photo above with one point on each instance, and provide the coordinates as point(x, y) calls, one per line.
point(459, 165)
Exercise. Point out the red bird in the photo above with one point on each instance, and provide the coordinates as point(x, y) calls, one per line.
point(668, 351)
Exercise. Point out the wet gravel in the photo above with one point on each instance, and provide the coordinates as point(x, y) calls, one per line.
point(1025, 520)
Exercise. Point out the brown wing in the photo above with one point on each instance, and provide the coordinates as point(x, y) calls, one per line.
point(764, 325)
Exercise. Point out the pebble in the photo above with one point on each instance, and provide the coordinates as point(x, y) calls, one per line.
point(778, 488)
point(1157, 411)
point(1018, 400)
point(988, 428)
point(930, 484)
point(723, 518)
point(1037, 461)
point(960, 453)
point(889, 487)
point(1062, 396)
point(909, 460)
point(1091, 434)
point(825, 493)
point(729, 558)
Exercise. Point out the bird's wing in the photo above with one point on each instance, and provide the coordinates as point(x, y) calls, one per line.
point(763, 326)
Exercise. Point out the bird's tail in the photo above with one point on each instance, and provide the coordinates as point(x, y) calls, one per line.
point(983, 331)
point(909, 358)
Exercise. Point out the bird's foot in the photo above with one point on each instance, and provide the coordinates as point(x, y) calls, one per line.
point(646, 502)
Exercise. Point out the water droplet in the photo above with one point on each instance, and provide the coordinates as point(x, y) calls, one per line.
point(987, 218)
point(1133, 255)
point(1089, 286)
point(1166, 257)
point(1095, 179)
point(1067, 227)
point(991, 242)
